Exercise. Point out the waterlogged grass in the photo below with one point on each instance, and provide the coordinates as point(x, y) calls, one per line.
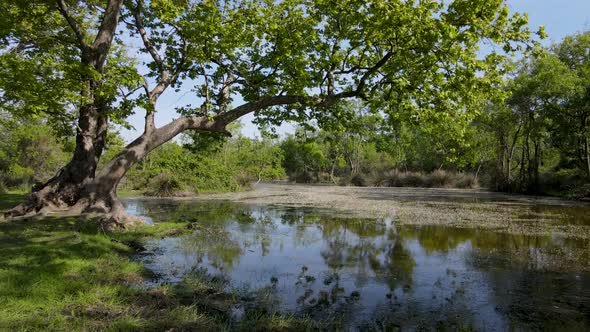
point(65, 274)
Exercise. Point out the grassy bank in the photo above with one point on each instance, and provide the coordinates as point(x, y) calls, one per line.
point(63, 274)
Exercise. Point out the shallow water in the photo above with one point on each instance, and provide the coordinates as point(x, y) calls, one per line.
point(373, 274)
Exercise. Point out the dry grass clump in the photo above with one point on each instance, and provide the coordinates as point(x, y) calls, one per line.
point(436, 179)
point(163, 185)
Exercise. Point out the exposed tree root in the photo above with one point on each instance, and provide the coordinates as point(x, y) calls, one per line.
point(107, 209)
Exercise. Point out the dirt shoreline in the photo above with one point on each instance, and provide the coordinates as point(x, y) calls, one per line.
point(516, 214)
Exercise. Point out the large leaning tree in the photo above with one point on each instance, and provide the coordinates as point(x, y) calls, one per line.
point(70, 61)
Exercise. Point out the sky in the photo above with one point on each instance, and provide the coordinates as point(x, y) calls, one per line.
point(560, 18)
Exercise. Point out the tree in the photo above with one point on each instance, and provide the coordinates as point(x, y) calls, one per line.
point(288, 60)
point(572, 117)
point(30, 153)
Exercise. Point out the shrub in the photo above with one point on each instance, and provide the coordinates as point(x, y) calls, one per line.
point(412, 179)
point(302, 177)
point(440, 179)
point(243, 180)
point(581, 192)
point(360, 180)
point(163, 185)
point(436, 179)
point(466, 181)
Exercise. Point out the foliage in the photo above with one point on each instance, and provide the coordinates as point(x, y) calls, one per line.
point(543, 128)
point(163, 185)
point(433, 100)
point(29, 153)
point(171, 169)
point(175, 169)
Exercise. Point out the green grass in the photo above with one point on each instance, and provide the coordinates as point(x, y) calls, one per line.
point(10, 199)
point(66, 274)
point(124, 193)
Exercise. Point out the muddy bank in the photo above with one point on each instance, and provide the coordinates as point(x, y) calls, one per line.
point(516, 214)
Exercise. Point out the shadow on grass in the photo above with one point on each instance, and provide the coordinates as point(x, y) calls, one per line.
point(10, 200)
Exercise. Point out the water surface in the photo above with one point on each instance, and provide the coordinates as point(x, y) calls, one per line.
point(373, 274)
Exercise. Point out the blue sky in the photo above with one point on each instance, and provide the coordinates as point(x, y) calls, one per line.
point(560, 18)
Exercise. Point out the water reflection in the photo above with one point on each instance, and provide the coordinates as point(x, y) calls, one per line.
point(372, 274)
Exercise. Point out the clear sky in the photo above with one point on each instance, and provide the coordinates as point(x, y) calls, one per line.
point(560, 18)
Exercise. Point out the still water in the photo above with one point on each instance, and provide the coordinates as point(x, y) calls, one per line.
point(373, 274)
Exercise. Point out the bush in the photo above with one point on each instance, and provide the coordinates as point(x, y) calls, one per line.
point(302, 177)
point(436, 179)
point(412, 179)
point(360, 180)
point(440, 179)
point(163, 185)
point(171, 169)
point(581, 193)
point(466, 181)
point(243, 180)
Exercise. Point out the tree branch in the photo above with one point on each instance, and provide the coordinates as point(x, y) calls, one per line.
point(166, 78)
point(363, 81)
point(149, 111)
point(195, 122)
point(182, 61)
point(106, 31)
point(65, 12)
point(144, 37)
point(317, 101)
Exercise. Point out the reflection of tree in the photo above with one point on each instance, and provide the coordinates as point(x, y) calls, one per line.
point(212, 222)
point(436, 238)
point(398, 266)
point(527, 274)
point(204, 213)
point(216, 244)
point(369, 250)
point(362, 245)
point(441, 239)
point(363, 228)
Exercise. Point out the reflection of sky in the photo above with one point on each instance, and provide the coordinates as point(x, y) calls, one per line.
point(427, 283)
point(560, 18)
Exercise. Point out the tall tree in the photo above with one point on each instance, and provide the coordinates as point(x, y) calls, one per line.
point(572, 117)
point(288, 60)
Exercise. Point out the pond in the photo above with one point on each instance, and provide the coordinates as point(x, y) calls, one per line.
point(372, 273)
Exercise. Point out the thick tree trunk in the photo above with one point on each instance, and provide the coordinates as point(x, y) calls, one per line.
point(86, 194)
point(63, 190)
point(76, 190)
point(99, 196)
point(67, 187)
